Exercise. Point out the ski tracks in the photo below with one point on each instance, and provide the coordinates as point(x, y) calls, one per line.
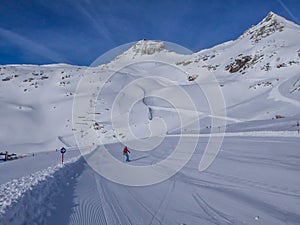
point(146, 208)
point(242, 182)
point(164, 203)
point(273, 210)
point(215, 216)
point(88, 205)
point(113, 212)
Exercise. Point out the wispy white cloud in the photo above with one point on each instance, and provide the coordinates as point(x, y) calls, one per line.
point(87, 9)
point(288, 11)
point(31, 46)
point(97, 23)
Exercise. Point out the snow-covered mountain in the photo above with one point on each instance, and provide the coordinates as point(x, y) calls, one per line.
point(258, 74)
point(158, 93)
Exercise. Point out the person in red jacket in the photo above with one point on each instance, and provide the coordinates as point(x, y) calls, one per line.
point(126, 153)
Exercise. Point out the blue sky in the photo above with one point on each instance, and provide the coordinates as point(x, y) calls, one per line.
point(79, 31)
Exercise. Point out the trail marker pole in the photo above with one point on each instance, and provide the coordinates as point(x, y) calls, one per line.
point(62, 151)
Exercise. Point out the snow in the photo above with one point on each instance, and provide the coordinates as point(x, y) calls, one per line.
point(146, 93)
point(250, 178)
point(15, 188)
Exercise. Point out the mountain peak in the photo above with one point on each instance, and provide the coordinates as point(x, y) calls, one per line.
point(270, 24)
point(142, 48)
point(148, 47)
point(273, 17)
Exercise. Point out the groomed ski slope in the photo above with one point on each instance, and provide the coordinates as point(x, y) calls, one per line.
point(254, 180)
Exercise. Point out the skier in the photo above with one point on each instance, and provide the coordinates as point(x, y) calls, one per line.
point(126, 153)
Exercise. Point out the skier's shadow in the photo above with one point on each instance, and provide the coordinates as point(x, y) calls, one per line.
point(136, 159)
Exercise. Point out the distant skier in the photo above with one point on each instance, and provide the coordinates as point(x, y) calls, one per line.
point(126, 153)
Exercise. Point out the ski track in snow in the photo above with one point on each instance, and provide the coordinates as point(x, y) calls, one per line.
point(215, 215)
point(44, 196)
point(278, 95)
point(244, 134)
point(89, 208)
point(164, 203)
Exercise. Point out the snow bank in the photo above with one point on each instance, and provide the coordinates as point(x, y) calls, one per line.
point(30, 199)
